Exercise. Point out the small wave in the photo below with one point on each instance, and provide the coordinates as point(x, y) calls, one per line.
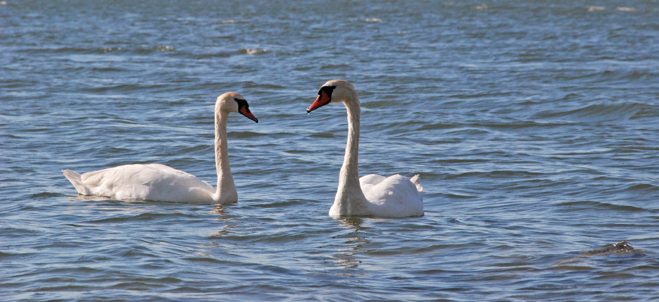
point(371, 20)
point(230, 21)
point(481, 7)
point(110, 49)
point(164, 48)
point(596, 8)
point(253, 51)
point(625, 9)
point(597, 112)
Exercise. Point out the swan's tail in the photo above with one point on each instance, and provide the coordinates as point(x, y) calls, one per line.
point(76, 181)
point(416, 180)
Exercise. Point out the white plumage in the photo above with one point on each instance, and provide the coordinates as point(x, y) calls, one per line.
point(371, 195)
point(158, 182)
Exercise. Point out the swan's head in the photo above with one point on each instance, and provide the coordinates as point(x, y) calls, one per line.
point(234, 102)
point(334, 91)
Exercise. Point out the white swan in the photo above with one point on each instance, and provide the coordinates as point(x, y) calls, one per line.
point(158, 182)
point(372, 195)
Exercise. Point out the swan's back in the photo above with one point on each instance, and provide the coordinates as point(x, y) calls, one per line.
point(143, 182)
point(394, 196)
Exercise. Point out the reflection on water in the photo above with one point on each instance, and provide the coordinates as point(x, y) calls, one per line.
point(223, 215)
point(347, 254)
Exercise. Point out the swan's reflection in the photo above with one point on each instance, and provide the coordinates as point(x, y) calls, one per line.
point(346, 255)
point(223, 215)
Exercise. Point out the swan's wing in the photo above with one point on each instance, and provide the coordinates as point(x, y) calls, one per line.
point(371, 179)
point(395, 196)
point(145, 182)
point(416, 180)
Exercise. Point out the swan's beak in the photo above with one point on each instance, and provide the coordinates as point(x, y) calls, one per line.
point(244, 111)
point(322, 100)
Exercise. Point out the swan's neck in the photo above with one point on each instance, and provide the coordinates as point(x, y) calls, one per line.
point(226, 190)
point(350, 200)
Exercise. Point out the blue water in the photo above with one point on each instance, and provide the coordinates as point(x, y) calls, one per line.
point(533, 125)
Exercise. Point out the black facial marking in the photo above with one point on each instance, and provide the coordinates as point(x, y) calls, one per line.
point(328, 90)
point(241, 104)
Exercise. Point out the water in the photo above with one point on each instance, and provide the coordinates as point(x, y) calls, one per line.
point(533, 126)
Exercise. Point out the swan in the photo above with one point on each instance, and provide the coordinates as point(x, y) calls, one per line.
point(372, 195)
point(158, 182)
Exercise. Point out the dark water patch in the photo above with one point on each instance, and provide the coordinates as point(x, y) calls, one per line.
point(280, 239)
point(46, 195)
point(459, 196)
point(421, 250)
point(379, 104)
point(93, 258)
point(434, 272)
point(337, 67)
point(63, 288)
point(4, 255)
point(608, 76)
point(281, 204)
point(251, 134)
point(207, 260)
point(572, 206)
point(438, 126)
point(322, 135)
point(203, 56)
point(138, 286)
point(143, 217)
point(122, 88)
point(107, 69)
point(496, 174)
point(643, 187)
point(263, 86)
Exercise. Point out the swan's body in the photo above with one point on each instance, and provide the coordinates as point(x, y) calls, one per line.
point(372, 195)
point(158, 182)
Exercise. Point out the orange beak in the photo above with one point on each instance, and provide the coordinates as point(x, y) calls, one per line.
point(322, 100)
point(244, 111)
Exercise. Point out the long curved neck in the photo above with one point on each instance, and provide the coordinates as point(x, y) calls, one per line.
point(350, 199)
point(226, 189)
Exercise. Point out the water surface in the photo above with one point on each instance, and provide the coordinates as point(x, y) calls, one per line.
point(533, 126)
